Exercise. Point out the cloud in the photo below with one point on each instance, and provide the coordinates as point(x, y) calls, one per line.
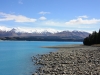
point(52, 23)
point(16, 18)
point(42, 18)
point(43, 13)
point(20, 2)
point(80, 20)
point(84, 16)
point(63, 26)
point(4, 28)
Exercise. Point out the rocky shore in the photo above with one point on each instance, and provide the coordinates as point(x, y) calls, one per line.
point(69, 60)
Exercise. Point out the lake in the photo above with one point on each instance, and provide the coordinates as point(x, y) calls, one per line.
point(15, 56)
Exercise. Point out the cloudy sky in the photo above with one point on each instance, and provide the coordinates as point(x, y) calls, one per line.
point(71, 15)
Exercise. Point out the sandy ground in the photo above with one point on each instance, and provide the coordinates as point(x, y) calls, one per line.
point(69, 60)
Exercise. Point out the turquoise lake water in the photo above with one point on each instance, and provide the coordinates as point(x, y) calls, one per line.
point(15, 56)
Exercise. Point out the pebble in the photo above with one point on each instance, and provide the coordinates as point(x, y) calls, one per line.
point(82, 61)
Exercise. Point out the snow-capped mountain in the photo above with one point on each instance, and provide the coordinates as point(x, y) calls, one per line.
point(28, 30)
point(41, 33)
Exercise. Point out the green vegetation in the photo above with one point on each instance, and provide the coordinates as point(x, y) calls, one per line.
point(93, 38)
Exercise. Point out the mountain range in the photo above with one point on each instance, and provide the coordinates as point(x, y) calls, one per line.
point(44, 35)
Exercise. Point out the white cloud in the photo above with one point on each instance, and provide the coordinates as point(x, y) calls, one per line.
point(84, 16)
point(80, 21)
point(16, 18)
point(42, 18)
point(4, 28)
point(57, 24)
point(52, 23)
point(43, 13)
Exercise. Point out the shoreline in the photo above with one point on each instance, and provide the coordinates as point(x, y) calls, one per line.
point(69, 60)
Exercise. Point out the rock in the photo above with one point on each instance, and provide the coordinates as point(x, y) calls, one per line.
point(82, 61)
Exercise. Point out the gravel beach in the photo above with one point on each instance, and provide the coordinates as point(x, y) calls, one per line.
point(69, 60)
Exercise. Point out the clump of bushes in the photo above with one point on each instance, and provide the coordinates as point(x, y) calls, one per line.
point(93, 38)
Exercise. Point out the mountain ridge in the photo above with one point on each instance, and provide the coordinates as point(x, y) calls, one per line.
point(46, 35)
point(13, 33)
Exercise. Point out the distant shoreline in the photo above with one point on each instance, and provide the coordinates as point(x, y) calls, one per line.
point(47, 40)
point(41, 41)
point(64, 46)
point(70, 59)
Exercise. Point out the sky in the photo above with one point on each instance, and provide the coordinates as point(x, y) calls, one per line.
point(82, 15)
